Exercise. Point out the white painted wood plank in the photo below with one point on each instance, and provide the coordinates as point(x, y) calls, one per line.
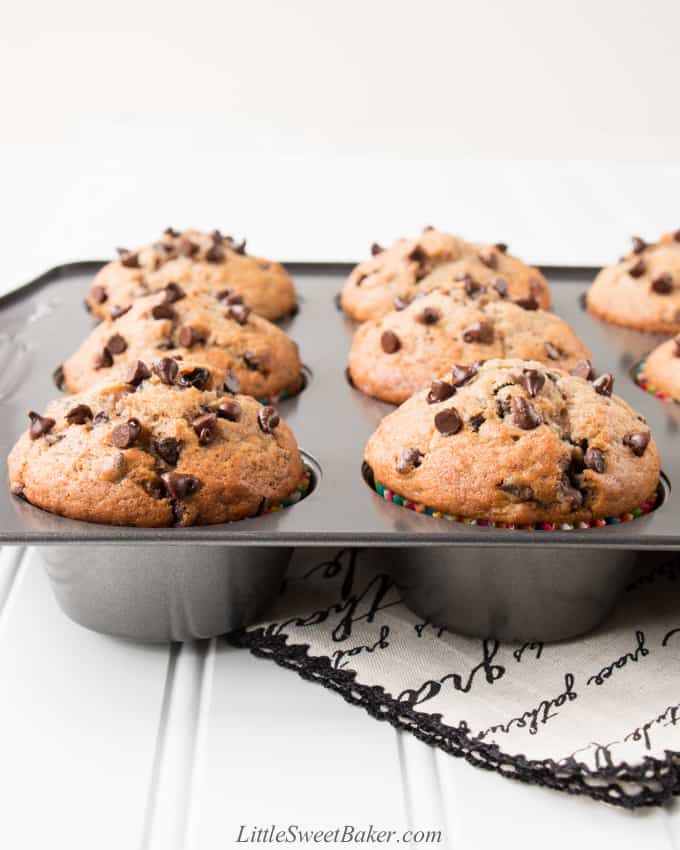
point(279, 750)
point(424, 800)
point(78, 726)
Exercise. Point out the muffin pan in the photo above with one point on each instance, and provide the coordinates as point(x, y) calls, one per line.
point(514, 584)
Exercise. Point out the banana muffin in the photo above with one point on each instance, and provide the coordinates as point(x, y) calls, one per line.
point(396, 274)
point(642, 290)
point(517, 441)
point(223, 335)
point(156, 452)
point(661, 369)
point(394, 356)
point(198, 262)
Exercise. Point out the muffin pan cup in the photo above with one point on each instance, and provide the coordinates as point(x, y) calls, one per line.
point(178, 583)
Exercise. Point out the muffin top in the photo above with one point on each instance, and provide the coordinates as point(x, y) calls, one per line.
point(661, 369)
point(518, 442)
point(199, 262)
point(396, 274)
point(402, 352)
point(156, 454)
point(223, 335)
point(642, 290)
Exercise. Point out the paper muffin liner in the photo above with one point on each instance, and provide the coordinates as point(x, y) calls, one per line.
point(645, 384)
point(303, 489)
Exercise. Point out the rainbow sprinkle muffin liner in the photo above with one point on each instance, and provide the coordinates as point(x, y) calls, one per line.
point(286, 393)
point(395, 498)
point(302, 490)
point(645, 384)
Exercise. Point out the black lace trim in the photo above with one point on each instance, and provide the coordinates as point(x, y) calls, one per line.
point(650, 783)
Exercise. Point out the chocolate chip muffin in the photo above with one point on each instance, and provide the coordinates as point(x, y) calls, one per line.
point(198, 262)
point(398, 273)
point(661, 370)
point(156, 452)
point(516, 441)
point(221, 334)
point(394, 356)
point(642, 290)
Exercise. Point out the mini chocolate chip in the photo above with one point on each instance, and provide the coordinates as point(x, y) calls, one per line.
point(429, 316)
point(409, 459)
point(552, 351)
point(440, 391)
point(604, 384)
point(180, 486)
point(638, 269)
point(481, 332)
point(40, 425)
point(174, 292)
point(170, 231)
point(232, 383)
point(448, 422)
point(524, 414)
point(189, 336)
point(462, 374)
point(476, 421)
point(98, 294)
point(124, 436)
point(521, 492)
point(532, 380)
point(251, 360)
point(527, 302)
point(639, 244)
point(104, 359)
point(116, 312)
point(205, 427)
point(229, 410)
point(390, 342)
point(79, 414)
point(116, 344)
point(168, 449)
point(594, 459)
point(163, 311)
point(268, 419)
point(376, 249)
point(129, 259)
point(676, 351)
point(401, 302)
point(583, 369)
point(100, 417)
point(186, 247)
point(137, 373)
point(166, 369)
point(215, 253)
point(663, 284)
point(239, 313)
point(501, 287)
point(502, 247)
point(198, 378)
point(637, 441)
point(489, 259)
point(417, 254)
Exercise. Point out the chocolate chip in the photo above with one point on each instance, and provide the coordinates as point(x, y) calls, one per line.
point(239, 313)
point(532, 381)
point(527, 302)
point(583, 369)
point(476, 422)
point(169, 231)
point(663, 284)
point(676, 236)
point(470, 286)
point(501, 287)
point(98, 294)
point(116, 344)
point(502, 407)
point(180, 486)
point(116, 312)
point(166, 369)
point(137, 373)
point(639, 244)
point(489, 259)
point(440, 391)
point(215, 253)
point(462, 374)
point(429, 316)
point(189, 336)
point(58, 378)
point(124, 436)
point(198, 378)
point(417, 254)
point(567, 491)
point(103, 360)
point(502, 247)
point(217, 237)
point(232, 383)
point(594, 459)
point(268, 419)
point(186, 247)
point(79, 414)
point(40, 425)
point(481, 332)
point(360, 279)
point(676, 351)
point(390, 342)
point(409, 459)
point(205, 427)
point(401, 302)
point(376, 249)
point(230, 297)
point(637, 441)
point(100, 418)
point(604, 384)
point(168, 449)
point(524, 414)
point(174, 292)
point(163, 311)
point(240, 247)
point(448, 422)
point(638, 269)
point(521, 492)
point(552, 351)
point(129, 259)
point(251, 360)
point(229, 410)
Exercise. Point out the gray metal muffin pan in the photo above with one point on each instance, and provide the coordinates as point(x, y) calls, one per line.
point(149, 584)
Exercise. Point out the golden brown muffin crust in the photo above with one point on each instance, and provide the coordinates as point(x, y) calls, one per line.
point(662, 368)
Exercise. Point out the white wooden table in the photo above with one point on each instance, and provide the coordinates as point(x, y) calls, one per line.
point(108, 744)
